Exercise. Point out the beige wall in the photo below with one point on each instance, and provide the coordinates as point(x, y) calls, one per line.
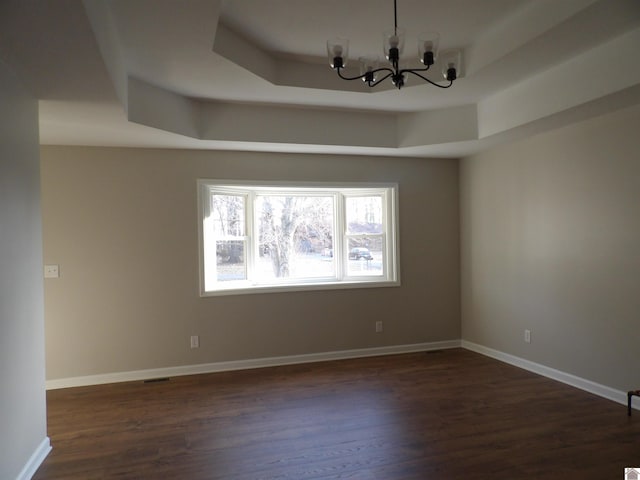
point(122, 224)
point(551, 243)
point(22, 394)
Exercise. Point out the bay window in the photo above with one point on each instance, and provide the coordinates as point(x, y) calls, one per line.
point(267, 236)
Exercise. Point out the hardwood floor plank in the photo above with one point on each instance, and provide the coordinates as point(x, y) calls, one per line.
point(449, 415)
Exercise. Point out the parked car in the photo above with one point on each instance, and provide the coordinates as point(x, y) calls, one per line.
point(360, 252)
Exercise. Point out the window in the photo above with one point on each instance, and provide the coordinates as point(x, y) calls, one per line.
point(260, 237)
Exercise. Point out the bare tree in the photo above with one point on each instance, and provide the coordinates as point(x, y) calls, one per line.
point(287, 221)
point(229, 215)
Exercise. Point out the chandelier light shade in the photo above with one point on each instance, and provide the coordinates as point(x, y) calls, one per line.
point(338, 51)
point(450, 64)
point(393, 41)
point(428, 43)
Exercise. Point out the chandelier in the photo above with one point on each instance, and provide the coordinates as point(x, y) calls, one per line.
point(393, 44)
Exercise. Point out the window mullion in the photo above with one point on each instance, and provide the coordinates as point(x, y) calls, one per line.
point(250, 244)
point(383, 235)
point(209, 268)
point(339, 237)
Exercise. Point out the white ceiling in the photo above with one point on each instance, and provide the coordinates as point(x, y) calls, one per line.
point(252, 74)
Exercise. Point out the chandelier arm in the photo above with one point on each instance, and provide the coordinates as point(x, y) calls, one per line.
point(359, 77)
point(414, 70)
point(426, 79)
point(380, 80)
point(348, 78)
point(383, 69)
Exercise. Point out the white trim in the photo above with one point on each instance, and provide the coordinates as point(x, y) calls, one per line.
point(137, 375)
point(609, 393)
point(36, 459)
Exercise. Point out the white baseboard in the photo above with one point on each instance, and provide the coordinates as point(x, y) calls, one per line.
point(36, 459)
point(137, 375)
point(617, 396)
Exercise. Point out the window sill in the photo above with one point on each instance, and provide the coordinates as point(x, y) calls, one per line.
point(284, 288)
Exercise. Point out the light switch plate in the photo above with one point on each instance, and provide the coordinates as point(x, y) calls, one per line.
point(51, 271)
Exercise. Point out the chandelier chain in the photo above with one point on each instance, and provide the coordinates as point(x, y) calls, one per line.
point(395, 16)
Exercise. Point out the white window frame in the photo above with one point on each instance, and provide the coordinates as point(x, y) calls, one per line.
point(340, 191)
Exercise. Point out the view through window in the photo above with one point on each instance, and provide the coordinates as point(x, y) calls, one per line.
point(287, 236)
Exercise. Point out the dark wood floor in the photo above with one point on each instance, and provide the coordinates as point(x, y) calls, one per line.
point(450, 414)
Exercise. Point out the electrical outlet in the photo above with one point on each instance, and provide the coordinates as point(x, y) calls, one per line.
point(195, 341)
point(379, 326)
point(527, 336)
